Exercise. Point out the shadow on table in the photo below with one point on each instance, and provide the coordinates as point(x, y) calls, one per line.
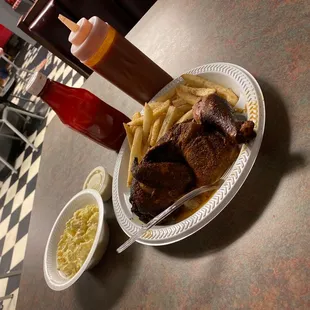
point(103, 285)
point(274, 160)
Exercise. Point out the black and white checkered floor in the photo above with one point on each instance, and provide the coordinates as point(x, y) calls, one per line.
point(18, 190)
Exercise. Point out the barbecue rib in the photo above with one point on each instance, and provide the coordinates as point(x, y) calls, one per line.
point(190, 155)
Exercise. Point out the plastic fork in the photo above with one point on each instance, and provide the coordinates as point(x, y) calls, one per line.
point(157, 219)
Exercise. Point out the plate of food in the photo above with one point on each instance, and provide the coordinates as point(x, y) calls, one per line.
point(205, 125)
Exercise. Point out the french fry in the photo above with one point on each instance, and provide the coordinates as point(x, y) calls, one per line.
point(129, 134)
point(194, 80)
point(161, 109)
point(185, 108)
point(158, 111)
point(198, 81)
point(179, 102)
point(156, 129)
point(136, 122)
point(168, 95)
point(147, 122)
point(155, 104)
point(189, 98)
point(187, 116)
point(150, 135)
point(180, 111)
point(199, 92)
point(166, 122)
point(135, 116)
point(239, 110)
point(172, 116)
point(135, 152)
point(144, 148)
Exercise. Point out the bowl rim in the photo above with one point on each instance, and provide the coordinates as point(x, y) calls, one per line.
point(52, 284)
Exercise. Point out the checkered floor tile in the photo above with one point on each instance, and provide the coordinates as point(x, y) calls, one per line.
point(18, 190)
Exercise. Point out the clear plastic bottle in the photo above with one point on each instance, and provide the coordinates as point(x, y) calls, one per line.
point(103, 49)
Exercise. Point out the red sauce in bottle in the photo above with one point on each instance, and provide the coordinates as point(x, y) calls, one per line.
point(86, 113)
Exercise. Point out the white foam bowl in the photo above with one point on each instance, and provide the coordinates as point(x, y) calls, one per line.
point(55, 279)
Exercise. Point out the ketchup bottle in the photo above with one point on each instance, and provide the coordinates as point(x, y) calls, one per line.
point(81, 110)
point(100, 47)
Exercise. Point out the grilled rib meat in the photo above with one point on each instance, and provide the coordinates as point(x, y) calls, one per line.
point(190, 155)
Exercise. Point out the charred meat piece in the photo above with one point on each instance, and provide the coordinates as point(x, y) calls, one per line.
point(148, 202)
point(210, 156)
point(214, 111)
point(166, 151)
point(181, 134)
point(246, 131)
point(164, 174)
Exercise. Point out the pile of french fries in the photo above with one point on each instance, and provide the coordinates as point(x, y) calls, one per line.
point(143, 131)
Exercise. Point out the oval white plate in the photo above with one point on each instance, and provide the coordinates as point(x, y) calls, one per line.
point(249, 92)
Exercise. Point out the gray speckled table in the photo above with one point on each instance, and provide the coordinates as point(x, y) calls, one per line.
point(256, 253)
